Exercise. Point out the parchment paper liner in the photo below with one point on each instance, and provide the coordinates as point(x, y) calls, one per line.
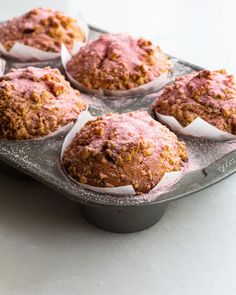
point(146, 88)
point(167, 180)
point(197, 128)
point(24, 52)
point(2, 66)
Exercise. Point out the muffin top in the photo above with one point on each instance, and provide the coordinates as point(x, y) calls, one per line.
point(35, 102)
point(117, 62)
point(41, 28)
point(210, 95)
point(123, 149)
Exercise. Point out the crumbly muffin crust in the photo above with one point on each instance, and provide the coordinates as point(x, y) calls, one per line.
point(210, 95)
point(35, 102)
point(41, 28)
point(123, 149)
point(117, 62)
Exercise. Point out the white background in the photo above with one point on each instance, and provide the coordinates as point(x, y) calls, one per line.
point(45, 245)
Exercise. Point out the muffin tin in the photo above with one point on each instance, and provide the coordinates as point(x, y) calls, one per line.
point(209, 162)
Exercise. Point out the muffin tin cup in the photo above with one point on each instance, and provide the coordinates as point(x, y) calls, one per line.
point(152, 86)
point(41, 161)
point(124, 219)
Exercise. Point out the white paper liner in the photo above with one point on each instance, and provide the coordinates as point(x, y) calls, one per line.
point(2, 66)
point(85, 116)
point(82, 119)
point(24, 52)
point(148, 87)
point(27, 53)
point(197, 128)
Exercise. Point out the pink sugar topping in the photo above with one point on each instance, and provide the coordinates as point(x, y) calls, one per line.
point(117, 61)
point(42, 28)
point(123, 45)
point(130, 128)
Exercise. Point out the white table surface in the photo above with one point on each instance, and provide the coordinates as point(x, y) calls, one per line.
point(47, 248)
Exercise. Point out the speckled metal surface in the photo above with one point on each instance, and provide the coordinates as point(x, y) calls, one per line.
point(209, 162)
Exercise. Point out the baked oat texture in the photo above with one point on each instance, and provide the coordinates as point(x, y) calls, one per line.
point(42, 28)
point(123, 149)
point(35, 102)
point(118, 62)
point(210, 95)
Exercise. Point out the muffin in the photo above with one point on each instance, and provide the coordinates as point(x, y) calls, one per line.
point(117, 62)
point(41, 28)
point(210, 95)
point(123, 149)
point(35, 102)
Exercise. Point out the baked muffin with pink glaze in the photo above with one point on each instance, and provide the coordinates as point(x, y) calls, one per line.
point(123, 149)
point(117, 62)
point(35, 102)
point(42, 28)
point(210, 95)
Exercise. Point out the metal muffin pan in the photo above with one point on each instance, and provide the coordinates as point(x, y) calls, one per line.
point(209, 162)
